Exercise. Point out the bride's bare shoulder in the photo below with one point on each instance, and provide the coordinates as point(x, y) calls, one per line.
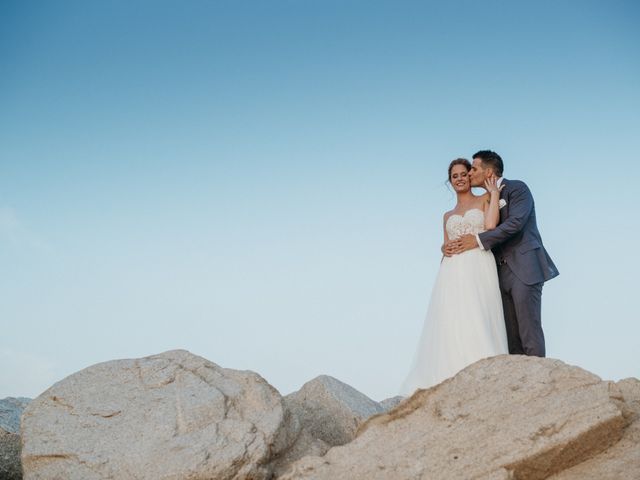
point(448, 214)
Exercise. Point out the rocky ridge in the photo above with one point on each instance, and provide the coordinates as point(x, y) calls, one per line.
point(178, 416)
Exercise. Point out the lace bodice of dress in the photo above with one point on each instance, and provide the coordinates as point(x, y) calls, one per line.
point(471, 222)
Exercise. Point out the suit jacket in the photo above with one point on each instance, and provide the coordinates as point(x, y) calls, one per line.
point(516, 239)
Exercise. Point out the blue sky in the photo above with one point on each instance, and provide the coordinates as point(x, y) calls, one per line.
point(262, 183)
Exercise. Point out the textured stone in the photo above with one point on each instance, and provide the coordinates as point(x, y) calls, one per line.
point(169, 416)
point(389, 403)
point(331, 410)
point(304, 445)
point(506, 417)
point(11, 409)
point(622, 460)
point(10, 467)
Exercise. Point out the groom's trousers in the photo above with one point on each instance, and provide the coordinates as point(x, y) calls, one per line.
point(522, 305)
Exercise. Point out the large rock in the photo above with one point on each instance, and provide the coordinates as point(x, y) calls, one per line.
point(622, 460)
point(11, 409)
point(169, 416)
point(329, 412)
point(506, 417)
point(10, 468)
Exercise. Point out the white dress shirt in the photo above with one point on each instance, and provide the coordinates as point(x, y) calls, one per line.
point(498, 183)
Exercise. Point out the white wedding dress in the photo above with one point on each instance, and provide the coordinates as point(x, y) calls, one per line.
point(465, 320)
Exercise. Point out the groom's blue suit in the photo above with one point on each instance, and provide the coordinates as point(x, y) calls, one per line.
point(523, 267)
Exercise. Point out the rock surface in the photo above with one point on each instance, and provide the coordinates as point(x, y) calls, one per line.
point(10, 467)
point(169, 416)
point(622, 460)
point(181, 417)
point(329, 412)
point(389, 403)
point(304, 445)
point(506, 417)
point(11, 409)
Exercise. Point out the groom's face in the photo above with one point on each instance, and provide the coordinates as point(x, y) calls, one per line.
point(478, 173)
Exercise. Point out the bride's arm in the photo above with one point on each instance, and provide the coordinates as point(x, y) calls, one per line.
point(446, 237)
point(492, 204)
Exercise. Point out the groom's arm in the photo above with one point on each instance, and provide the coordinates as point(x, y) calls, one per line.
point(520, 208)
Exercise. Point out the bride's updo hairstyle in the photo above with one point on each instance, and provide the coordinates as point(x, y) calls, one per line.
point(458, 161)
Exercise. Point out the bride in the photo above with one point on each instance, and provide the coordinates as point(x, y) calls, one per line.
point(464, 320)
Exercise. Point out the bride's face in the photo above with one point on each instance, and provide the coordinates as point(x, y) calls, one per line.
point(460, 178)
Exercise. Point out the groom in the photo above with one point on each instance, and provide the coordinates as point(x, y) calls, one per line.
point(523, 263)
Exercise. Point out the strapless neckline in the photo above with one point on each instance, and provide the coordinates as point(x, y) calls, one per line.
point(463, 215)
point(471, 221)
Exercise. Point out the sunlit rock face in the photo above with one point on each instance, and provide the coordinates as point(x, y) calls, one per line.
point(506, 417)
point(169, 416)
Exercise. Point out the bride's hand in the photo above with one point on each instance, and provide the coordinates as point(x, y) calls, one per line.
point(491, 184)
point(452, 247)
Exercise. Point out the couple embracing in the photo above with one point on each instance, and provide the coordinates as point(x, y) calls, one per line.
point(486, 299)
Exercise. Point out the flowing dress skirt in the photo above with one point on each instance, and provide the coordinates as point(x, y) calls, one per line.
point(464, 321)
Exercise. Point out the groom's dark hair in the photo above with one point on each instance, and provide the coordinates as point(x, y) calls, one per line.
point(490, 159)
